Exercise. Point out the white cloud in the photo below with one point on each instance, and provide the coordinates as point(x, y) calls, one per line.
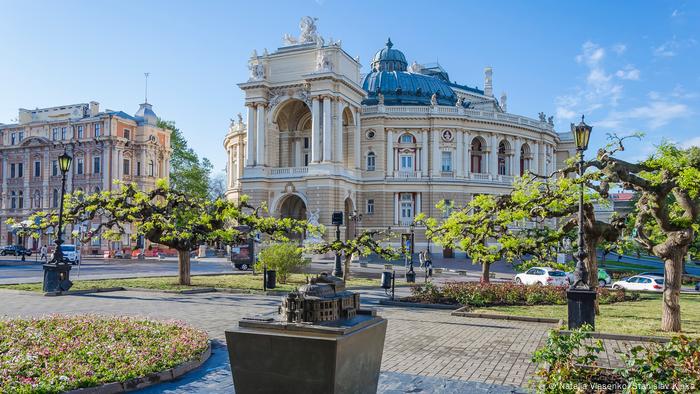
point(654, 114)
point(695, 141)
point(671, 47)
point(628, 72)
point(676, 13)
point(619, 48)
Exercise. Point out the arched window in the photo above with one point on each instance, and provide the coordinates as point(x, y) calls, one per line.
point(13, 200)
point(407, 139)
point(477, 154)
point(97, 189)
point(371, 161)
point(525, 159)
point(55, 198)
point(21, 200)
point(151, 168)
point(37, 199)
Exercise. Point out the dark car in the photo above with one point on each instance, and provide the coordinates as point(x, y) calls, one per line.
point(15, 250)
point(697, 286)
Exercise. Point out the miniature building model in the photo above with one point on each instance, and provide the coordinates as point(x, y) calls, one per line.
point(324, 299)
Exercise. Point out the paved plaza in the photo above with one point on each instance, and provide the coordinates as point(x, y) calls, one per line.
point(426, 350)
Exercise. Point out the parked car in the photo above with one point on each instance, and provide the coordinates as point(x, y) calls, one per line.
point(640, 282)
point(15, 250)
point(697, 286)
point(604, 278)
point(542, 276)
point(657, 274)
point(71, 253)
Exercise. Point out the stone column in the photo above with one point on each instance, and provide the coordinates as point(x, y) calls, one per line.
point(459, 160)
point(424, 153)
point(396, 208)
point(516, 155)
point(327, 130)
point(418, 204)
point(315, 130)
point(436, 153)
point(389, 153)
point(28, 172)
point(105, 168)
point(338, 155)
point(250, 137)
point(298, 152)
point(4, 185)
point(467, 153)
point(46, 168)
point(260, 159)
point(356, 140)
point(536, 158)
point(493, 156)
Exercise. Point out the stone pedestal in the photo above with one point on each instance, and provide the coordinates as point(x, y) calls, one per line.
point(56, 277)
point(581, 308)
point(342, 356)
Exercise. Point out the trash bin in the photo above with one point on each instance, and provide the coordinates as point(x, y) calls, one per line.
point(411, 277)
point(271, 279)
point(386, 280)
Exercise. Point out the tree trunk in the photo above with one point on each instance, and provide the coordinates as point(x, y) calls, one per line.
point(485, 272)
point(592, 267)
point(183, 262)
point(346, 268)
point(671, 311)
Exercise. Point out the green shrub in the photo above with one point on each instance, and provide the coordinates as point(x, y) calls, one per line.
point(428, 293)
point(282, 257)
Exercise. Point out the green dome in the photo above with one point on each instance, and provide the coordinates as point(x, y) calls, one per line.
point(388, 59)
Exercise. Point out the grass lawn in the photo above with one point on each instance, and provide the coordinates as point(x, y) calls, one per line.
point(642, 317)
point(629, 266)
point(239, 282)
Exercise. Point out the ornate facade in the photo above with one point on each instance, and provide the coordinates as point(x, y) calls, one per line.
point(320, 137)
point(105, 146)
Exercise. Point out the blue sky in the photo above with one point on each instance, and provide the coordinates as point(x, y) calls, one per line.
point(629, 66)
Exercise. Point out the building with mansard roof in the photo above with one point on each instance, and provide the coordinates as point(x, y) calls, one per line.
point(105, 146)
point(321, 137)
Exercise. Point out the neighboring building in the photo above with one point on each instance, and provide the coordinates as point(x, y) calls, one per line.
point(106, 146)
point(621, 204)
point(320, 137)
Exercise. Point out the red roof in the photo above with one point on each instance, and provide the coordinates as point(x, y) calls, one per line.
point(622, 196)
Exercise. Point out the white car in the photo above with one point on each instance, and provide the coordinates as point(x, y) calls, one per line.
point(71, 253)
point(542, 276)
point(640, 282)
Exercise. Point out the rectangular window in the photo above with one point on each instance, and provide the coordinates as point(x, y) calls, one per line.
point(37, 169)
point(448, 208)
point(20, 136)
point(370, 207)
point(80, 165)
point(127, 166)
point(138, 168)
point(54, 133)
point(371, 161)
point(406, 207)
point(12, 170)
point(96, 165)
point(151, 167)
point(446, 161)
point(20, 170)
point(81, 134)
point(13, 138)
point(64, 132)
point(97, 129)
point(54, 168)
point(406, 163)
point(127, 134)
point(306, 142)
point(306, 159)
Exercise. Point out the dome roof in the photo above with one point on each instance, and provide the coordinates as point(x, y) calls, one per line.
point(388, 59)
point(145, 115)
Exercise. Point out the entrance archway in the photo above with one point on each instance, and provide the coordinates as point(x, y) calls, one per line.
point(292, 206)
point(293, 119)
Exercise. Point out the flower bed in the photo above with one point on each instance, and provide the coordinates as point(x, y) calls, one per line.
point(59, 353)
point(569, 364)
point(479, 295)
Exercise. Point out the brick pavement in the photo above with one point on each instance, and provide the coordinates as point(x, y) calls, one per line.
point(420, 342)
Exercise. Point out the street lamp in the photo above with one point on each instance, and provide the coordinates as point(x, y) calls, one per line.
point(57, 271)
point(581, 299)
point(410, 274)
point(337, 221)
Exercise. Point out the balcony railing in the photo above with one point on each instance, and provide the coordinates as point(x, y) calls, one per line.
point(289, 171)
point(480, 177)
point(407, 174)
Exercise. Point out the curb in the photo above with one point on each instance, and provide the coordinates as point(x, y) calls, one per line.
point(463, 313)
point(148, 380)
point(417, 305)
point(80, 292)
point(623, 337)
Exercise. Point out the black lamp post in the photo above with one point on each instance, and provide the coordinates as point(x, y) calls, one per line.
point(410, 274)
point(337, 220)
point(57, 271)
point(581, 299)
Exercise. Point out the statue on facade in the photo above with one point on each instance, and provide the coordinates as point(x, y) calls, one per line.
point(257, 70)
point(543, 117)
point(550, 120)
point(415, 67)
point(433, 99)
point(504, 102)
point(307, 25)
point(460, 102)
point(323, 62)
point(380, 99)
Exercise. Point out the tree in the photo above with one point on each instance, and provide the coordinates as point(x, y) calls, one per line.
point(667, 217)
point(217, 186)
point(170, 217)
point(188, 173)
point(366, 243)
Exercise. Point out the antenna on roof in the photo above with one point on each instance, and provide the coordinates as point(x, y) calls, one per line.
point(146, 94)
